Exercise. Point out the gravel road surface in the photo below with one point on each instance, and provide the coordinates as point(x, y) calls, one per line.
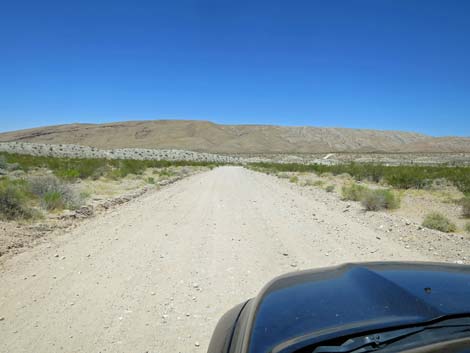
point(156, 274)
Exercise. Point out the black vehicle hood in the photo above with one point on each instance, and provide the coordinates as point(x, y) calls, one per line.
point(314, 306)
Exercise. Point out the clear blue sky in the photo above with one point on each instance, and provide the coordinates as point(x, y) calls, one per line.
point(385, 64)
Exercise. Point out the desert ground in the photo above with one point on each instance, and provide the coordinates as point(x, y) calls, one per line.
point(156, 273)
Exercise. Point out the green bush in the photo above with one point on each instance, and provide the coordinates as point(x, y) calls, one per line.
point(330, 188)
point(374, 200)
point(3, 162)
point(13, 200)
point(165, 172)
point(129, 166)
point(439, 222)
point(151, 180)
point(353, 192)
point(465, 202)
point(68, 174)
point(53, 200)
point(294, 179)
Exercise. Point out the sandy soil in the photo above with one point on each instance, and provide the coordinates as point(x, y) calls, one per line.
point(156, 274)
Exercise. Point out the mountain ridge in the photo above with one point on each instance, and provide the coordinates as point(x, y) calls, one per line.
point(206, 136)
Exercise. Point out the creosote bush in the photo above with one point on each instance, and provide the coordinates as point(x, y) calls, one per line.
point(353, 192)
point(13, 200)
point(374, 200)
point(439, 222)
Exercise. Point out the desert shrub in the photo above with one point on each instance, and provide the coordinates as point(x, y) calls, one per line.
point(151, 180)
point(330, 188)
point(3, 162)
point(54, 193)
point(131, 167)
point(467, 227)
point(294, 179)
point(68, 174)
point(353, 192)
point(319, 183)
point(165, 172)
point(374, 200)
point(403, 177)
point(13, 200)
point(439, 222)
point(439, 184)
point(465, 202)
point(53, 200)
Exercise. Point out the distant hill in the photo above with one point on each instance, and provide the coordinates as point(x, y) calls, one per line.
point(205, 136)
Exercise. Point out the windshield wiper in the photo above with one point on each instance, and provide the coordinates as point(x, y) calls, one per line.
point(379, 340)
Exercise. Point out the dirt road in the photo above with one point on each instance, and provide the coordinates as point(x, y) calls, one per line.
point(156, 274)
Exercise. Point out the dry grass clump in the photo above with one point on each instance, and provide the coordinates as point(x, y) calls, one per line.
point(294, 179)
point(438, 221)
point(54, 194)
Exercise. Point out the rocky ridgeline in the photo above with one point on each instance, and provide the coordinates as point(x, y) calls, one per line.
point(77, 151)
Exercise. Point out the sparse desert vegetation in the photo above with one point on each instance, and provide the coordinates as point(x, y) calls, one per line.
point(439, 222)
point(13, 200)
point(48, 192)
point(401, 177)
point(409, 191)
point(294, 179)
point(378, 199)
point(31, 184)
